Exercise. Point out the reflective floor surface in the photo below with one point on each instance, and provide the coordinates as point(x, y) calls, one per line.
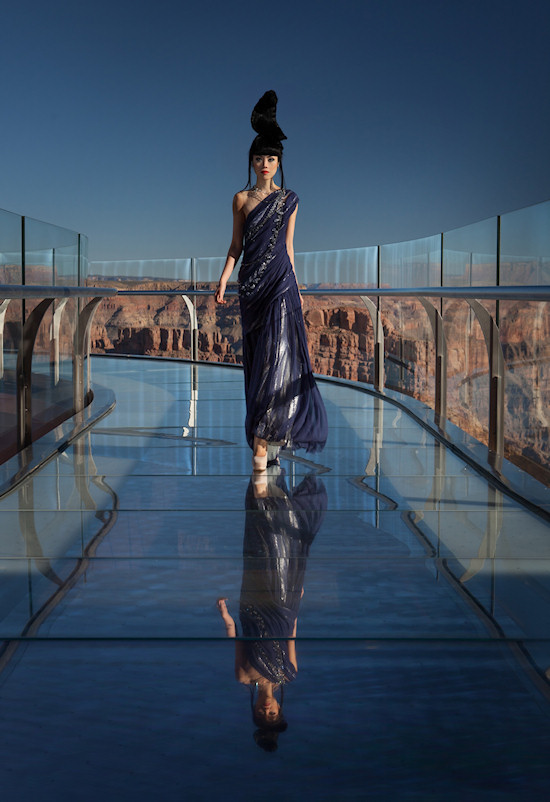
point(423, 629)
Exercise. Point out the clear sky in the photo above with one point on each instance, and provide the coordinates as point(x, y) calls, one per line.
point(130, 121)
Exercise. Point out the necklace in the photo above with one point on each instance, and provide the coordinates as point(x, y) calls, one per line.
point(260, 194)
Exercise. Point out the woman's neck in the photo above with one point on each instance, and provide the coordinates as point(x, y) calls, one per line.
point(265, 690)
point(265, 184)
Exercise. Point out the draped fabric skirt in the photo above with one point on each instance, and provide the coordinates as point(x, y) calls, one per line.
point(283, 403)
point(279, 530)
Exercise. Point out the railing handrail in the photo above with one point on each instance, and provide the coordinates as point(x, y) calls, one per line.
point(52, 291)
point(531, 292)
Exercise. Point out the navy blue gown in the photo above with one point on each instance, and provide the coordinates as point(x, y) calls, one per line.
point(279, 530)
point(283, 403)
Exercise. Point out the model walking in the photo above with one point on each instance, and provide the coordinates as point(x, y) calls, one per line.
point(283, 403)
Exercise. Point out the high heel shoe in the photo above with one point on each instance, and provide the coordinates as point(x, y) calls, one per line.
point(259, 463)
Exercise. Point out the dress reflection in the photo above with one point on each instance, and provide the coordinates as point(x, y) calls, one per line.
point(280, 526)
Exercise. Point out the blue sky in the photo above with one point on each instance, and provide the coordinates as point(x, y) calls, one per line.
point(130, 122)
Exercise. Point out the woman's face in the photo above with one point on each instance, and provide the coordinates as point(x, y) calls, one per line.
point(265, 167)
point(267, 708)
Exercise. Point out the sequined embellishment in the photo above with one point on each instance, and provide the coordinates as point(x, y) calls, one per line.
point(277, 208)
point(270, 667)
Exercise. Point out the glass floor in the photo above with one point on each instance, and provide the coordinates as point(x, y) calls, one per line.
point(423, 632)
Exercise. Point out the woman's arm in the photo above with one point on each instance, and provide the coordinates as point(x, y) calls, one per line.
point(291, 645)
point(290, 236)
point(290, 244)
point(231, 629)
point(229, 622)
point(235, 249)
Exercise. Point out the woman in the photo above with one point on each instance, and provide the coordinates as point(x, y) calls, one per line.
point(280, 526)
point(283, 404)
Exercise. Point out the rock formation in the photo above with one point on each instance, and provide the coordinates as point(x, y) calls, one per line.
point(340, 339)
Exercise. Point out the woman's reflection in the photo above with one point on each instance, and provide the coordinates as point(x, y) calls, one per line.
point(280, 526)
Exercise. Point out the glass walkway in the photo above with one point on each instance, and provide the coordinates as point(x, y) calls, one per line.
point(423, 633)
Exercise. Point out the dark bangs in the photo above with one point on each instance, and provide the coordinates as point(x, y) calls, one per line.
point(262, 147)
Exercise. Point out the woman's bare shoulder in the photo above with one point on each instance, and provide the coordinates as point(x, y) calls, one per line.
point(240, 198)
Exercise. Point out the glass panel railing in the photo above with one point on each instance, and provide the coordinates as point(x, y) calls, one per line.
point(467, 369)
point(84, 261)
point(152, 324)
point(353, 267)
point(338, 328)
point(207, 271)
point(10, 248)
point(409, 348)
point(45, 380)
point(52, 366)
point(11, 318)
point(525, 246)
point(141, 270)
point(469, 255)
point(525, 337)
point(36, 382)
point(50, 250)
point(416, 263)
point(220, 336)
point(66, 265)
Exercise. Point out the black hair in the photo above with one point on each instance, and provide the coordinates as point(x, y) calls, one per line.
point(269, 139)
point(278, 724)
point(267, 739)
point(260, 148)
point(268, 729)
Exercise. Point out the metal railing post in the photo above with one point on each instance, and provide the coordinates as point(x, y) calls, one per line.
point(54, 336)
point(3, 309)
point(194, 327)
point(496, 376)
point(376, 321)
point(436, 322)
point(81, 351)
point(24, 373)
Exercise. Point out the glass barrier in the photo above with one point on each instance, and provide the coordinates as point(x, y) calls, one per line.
point(525, 246)
point(45, 380)
point(49, 251)
point(219, 337)
point(354, 267)
point(207, 271)
point(155, 324)
point(409, 348)
point(416, 263)
point(467, 369)
point(52, 365)
point(525, 337)
point(512, 249)
point(140, 270)
point(470, 255)
point(10, 248)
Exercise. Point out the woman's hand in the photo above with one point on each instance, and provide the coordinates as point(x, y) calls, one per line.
point(220, 292)
point(229, 622)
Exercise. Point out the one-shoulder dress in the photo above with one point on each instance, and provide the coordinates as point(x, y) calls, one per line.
point(279, 531)
point(283, 403)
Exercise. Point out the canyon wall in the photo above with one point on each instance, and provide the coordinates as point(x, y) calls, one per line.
point(340, 338)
